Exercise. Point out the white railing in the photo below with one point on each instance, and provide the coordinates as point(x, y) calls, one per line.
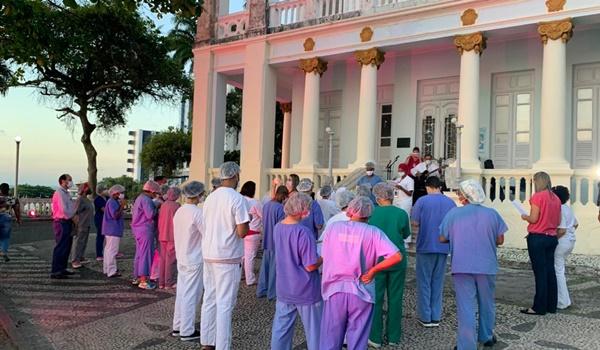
point(232, 25)
point(326, 8)
point(286, 12)
point(507, 184)
point(320, 176)
point(403, 4)
point(42, 206)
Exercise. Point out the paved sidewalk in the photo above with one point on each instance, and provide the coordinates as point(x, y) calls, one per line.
point(92, 312)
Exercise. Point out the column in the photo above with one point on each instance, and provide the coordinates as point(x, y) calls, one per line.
point(258, 116)
point(287, 126)
point(313, 69)
point(366, 139)
point(470, 47)
point(202, 112)
point(555, 36)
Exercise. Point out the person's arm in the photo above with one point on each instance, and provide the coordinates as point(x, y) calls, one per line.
point(534, 215)
point(17, 210)
point(407, 192)
point(443, 239)
point(69, 206)
point(383, 265)
point(148, 209)
point(242, 229)
point(314, 267)
point(500, 240)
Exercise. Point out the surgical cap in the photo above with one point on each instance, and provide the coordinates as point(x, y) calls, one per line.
point(215, 182)
point(370, 165)
point(228, 170)
point(383, 191)
point(192, 189)
point(325, 191)
point(151, 186)
point(305, 185)
point(473, 191)
point(297, 204)
point(363, 190)
point(360, 207)
point(100, 188)
point(116, 189)
point(173, 193)
point(343, 198)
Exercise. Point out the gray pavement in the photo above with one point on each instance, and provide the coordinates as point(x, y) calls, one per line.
point(92, 312)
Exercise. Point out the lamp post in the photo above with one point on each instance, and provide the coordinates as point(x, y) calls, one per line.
point(330, 133)
point(458, 142)
point(18, 140)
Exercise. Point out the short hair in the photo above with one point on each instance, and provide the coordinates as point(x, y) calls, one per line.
point(562, 193)
point(4, 188)
point(281, 193)
point(248, 189)
point(433, 182)
point(63, 177)
point(428, 155)
point(159, 178)
point(416, 149)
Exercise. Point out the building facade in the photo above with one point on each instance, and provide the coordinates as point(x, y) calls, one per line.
point(137, 140)
point(516, 82)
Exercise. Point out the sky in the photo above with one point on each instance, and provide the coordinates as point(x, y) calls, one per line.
point(49, 147)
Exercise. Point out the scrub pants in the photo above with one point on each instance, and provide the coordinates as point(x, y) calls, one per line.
point(430, 270)
point(109, 264)
point(266, 276)
point(392, 283)
point(189, 290)
point(144, 247)
point(563, 249)
point(251, 244)
point(284, 323)
point(541, 253)
point(62, 249)
point(474, 293)
point(167, 264)
point(81, 240)
point(345, 314)
point(5, 231)
point(221, 286)
point(99, 239)
point(155, 266)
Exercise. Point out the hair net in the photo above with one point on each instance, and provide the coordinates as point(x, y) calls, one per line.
point(100, 188)
point(228, 170)
point(192, 189)
point(116, 189)
point(342, 198)
point(370, 165)
point(151, 186)
point(363, 190)
point(360, 207)
point(215, 182)
point(326, 191)
point(473, 191)
point(173, 193)
point(305, 185)
point(297, 204)
point(384, 191)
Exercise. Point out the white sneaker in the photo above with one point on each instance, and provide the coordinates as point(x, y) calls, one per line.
point(374, 345)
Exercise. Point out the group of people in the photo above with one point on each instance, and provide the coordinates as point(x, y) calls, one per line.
point(336, 259)
point(9, 208)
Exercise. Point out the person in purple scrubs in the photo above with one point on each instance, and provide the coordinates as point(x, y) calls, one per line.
point(350, 253)
point(473, 232)
point(143, 227)
point(314, 221)
point(298, 285)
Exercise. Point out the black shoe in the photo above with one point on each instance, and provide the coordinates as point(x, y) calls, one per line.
point(490, 342)
point(174, 333)
point(58, 276)
point(6, 259)
point(193, 336)
point(67, 273)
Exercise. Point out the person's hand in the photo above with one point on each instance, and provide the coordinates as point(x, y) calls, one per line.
point(367, 277)
point(598, 217)
point(525, 216)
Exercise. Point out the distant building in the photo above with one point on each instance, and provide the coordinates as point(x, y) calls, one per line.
point(137, 140)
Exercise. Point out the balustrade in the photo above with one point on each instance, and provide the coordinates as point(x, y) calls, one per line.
point(232, 25)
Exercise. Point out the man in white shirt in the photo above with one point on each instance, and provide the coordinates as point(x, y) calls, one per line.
point(226, 223)
point(187, 233)
point(328, 206)
point(63, 210)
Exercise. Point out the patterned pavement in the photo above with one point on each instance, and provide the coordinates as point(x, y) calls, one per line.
point(92, 312)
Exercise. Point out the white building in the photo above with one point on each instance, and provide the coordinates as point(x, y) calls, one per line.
point(137, 140)
point(521, 76)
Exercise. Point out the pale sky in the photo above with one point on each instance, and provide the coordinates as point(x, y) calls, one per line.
point(49, 148)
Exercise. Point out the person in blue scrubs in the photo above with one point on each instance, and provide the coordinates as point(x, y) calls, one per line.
point(474, 228)
point(370, 179)
point(426, 217)
point(314, 221)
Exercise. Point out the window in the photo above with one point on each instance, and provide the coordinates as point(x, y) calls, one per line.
point(428, 136)
point(449, 137)
point(386, 126)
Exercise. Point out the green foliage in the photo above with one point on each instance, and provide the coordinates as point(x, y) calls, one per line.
point(132, 187)
point(34, 191)
point(232, 156)
point(233, 112)
point(168, 151)
point(181, 40)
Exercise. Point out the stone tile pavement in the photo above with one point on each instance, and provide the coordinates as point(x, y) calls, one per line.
point(92, 312)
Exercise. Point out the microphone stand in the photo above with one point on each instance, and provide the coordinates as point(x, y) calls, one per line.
point(389, 166)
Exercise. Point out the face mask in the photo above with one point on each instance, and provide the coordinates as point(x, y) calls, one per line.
point(428, 162)
point(400, 174)
point(370, 172)
point(121, 196)
point(70, 184)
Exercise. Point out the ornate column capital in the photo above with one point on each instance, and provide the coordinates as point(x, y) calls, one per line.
point(468, 42)
point(554, 30)
point(313, 65)
point(372, 56)
point(286, 107)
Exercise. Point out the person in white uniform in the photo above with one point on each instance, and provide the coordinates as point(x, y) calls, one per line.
point(405, 186)
point(226, 223)
point(188, 230)
point(328, 206)
point(566, 243)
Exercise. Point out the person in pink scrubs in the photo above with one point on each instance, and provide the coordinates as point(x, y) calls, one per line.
point(167, 261)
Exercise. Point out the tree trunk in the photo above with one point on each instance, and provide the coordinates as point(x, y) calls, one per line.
point(90, 150)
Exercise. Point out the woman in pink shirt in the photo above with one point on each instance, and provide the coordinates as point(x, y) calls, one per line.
point(543, 220)
point(168, 264)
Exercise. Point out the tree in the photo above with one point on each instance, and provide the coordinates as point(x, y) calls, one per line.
point(167, 151)
point(93, 61)
point(34, 191)
point(132, 187)
point(233, 110)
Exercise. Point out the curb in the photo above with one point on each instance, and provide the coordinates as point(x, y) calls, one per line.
point(14, 336)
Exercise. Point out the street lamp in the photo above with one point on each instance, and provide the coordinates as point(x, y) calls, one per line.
point(330, 132)
point(18, 140)
point(459, 127)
